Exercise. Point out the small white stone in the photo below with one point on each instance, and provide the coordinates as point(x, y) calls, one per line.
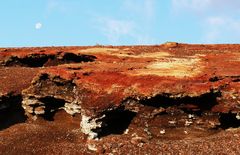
point(92, 147)
point(187, 123)
point(233, 97)
point(140, 145)
point(126, 131)
point(238, 116)
point(162, 131)
point(172, 122)
point(190, 116)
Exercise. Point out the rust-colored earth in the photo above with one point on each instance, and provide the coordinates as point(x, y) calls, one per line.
point(164, 99)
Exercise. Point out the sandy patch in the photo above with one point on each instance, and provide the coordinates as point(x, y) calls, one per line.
point(177, 67)
point(124, 53)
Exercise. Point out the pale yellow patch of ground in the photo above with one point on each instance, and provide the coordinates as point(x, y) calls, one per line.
point(177, 67)
point(124, 53)
point(99, 50)
point(148, 55)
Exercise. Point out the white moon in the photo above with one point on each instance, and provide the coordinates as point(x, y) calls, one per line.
point(38, 26)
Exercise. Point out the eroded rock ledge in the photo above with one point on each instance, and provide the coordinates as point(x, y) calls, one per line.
point(116, 90)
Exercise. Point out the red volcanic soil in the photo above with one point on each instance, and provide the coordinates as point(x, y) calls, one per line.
point(163, 99)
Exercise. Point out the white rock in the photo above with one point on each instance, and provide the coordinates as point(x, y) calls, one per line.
point(162, 131)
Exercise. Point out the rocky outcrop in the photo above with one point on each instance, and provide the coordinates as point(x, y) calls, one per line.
point(146, 93)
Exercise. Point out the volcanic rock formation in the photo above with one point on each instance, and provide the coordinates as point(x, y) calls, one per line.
point(152, 96)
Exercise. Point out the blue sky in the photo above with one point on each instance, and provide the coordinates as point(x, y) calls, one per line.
point(117, 22)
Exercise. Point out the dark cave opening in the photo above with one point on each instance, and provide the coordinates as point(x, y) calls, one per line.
point(11, 111)
point(33, 60)
point(74, 58)
point(52, 105)
point(115, 122)
point(198, 104)
point(229, 120)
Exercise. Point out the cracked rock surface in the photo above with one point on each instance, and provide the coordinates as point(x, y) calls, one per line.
point(170, 98)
